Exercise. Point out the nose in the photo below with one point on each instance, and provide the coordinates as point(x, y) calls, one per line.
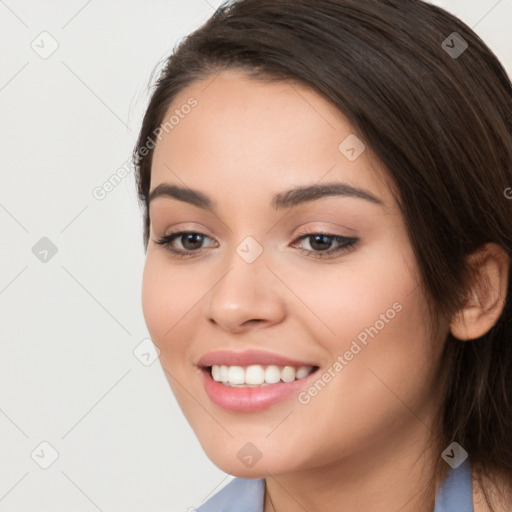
point(247, 296)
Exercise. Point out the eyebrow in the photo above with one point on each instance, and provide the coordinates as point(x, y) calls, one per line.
point(289, 198)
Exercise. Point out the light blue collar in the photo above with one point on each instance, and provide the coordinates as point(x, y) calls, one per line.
point(239, 495)
point(455, 495)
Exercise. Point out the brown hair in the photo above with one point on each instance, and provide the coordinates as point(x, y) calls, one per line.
point(440, 123)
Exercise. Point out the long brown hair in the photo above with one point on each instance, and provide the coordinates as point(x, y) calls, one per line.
point(439, 121)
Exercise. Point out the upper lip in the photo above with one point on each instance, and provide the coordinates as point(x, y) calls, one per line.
point(247, 358)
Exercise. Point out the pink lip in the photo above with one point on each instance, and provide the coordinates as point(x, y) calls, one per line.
point(255, 398)
point(250, 399)
point(248, 357)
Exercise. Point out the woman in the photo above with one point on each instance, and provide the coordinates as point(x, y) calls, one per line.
point(328, 235)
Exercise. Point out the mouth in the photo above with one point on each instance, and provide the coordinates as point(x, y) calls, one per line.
point(252, 381)
point(257, 375)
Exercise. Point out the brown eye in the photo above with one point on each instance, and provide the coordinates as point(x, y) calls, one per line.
point(321, 244)
point(191, 243)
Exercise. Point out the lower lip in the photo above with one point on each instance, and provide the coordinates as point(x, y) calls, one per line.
point(250, 399)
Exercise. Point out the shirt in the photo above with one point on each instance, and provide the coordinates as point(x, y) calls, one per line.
point(245, 495)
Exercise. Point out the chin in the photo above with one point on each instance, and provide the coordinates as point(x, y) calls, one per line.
point(247, 461)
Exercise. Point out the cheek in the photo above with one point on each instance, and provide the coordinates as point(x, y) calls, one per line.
point(372, 314)
point(379, 387)
point(167, 302)
point(167, 297)
point(365, 291)
point(154, 297)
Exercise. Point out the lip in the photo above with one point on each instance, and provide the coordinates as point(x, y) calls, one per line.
point(248, 357)
point(251, 399)
point(255, 398)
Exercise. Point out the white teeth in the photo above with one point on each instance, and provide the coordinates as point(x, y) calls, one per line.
point(257, 375)
point(236, 375)
point(302, 372)
point(216, 373)
point(272, 374)
point(288, 374)
point(254, 374)
point(223, 373)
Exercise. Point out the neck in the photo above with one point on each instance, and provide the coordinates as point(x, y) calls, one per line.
point(392, 474)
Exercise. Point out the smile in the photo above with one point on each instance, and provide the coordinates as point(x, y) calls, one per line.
point(252, 380)
point(257, 375)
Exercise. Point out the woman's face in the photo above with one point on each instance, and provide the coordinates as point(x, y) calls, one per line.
point(319, 279)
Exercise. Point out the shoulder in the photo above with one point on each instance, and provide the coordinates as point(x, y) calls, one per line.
point(239, 494)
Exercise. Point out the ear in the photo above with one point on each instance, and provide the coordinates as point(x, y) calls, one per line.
point(487, 293)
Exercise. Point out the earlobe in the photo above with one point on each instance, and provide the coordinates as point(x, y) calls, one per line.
point(486, 298)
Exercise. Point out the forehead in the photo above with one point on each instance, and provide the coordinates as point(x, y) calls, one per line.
point(258, 137)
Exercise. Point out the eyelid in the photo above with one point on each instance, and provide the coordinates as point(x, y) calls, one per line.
point(187, 227)
point(320, 227)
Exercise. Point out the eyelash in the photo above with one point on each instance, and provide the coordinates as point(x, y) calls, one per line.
point(345, 244)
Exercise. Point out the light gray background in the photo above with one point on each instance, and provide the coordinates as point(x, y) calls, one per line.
point(70, 325)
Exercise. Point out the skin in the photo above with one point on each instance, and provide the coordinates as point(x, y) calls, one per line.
point(363, 442)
